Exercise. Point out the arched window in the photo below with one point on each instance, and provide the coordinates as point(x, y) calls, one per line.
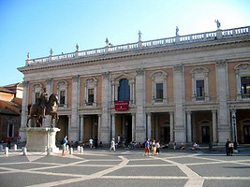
point(124, 90)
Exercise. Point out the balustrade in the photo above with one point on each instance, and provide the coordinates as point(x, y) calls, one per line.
point(185, 39)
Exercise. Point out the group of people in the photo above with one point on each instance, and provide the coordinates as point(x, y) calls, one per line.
point(154, 146)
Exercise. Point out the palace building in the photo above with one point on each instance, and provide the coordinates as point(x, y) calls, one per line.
point(192, 88)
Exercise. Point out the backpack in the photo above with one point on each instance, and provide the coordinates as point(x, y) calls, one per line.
point(63, 141)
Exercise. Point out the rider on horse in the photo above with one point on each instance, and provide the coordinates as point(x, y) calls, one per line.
point(43, 100)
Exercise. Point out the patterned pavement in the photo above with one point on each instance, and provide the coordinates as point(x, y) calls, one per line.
point(124, 168)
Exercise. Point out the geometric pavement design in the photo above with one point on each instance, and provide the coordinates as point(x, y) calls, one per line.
point(124, 168)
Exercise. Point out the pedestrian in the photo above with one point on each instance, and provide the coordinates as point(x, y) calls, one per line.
point(96, 142)
point(231, 148)
point(174, 145)
point(227, 147)
point(158, 146)
point(112, 145)
point(153, 148)
point(91, 143)
point(64, 142)
point(147, 147)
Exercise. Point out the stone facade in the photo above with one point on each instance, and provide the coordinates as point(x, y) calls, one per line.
point(192, 88)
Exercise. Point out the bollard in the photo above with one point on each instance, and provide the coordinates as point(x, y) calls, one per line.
point(24, 151)
point(6, 151)
point(71, 151)
point(1, 148)
point(81, 149)
point(78, 148)
point(15, 147)
point(67, 147)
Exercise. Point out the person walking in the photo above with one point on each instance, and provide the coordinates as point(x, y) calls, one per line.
point(227, 147)
point(147, 147)
point(91, 143)
point(153, 148)
point(158, 146)
point(112, 145)
point(64, 142)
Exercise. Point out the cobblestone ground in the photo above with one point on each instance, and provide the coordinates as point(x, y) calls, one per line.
point(124, 168)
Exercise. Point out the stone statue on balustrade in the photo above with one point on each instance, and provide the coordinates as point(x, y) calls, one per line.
point(217, 23)
point(177, 31)
point(45, 106)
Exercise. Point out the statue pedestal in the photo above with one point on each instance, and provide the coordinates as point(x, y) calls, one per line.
point(41, 138)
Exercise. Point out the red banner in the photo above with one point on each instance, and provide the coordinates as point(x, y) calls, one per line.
point(122, 105)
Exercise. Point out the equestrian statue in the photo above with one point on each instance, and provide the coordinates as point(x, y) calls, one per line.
point(44, 106)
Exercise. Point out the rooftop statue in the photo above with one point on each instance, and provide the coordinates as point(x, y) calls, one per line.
point(44, 106)
point(177, 31)
point(217, 23)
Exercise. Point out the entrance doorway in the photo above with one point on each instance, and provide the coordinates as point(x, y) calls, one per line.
point(165, 133)
point(246, 131)
point(205, 134)
point(63, 125)
point(124, 128)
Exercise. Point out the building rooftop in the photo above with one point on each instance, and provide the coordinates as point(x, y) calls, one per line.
point(142, 45)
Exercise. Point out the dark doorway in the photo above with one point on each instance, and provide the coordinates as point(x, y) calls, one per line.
point(165, 134)
point(205, 134)
point(128, 124)
point(246, 131)
point(63, 125)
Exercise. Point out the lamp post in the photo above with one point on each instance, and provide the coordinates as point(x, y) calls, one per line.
point(235, 132)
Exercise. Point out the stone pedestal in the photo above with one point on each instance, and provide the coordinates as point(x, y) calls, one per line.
point(41, 138)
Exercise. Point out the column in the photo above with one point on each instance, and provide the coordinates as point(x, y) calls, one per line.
point(149, 125)
point(106, 100)
point(140, 99)
point(215, 140)
point(81, 138)
point(222, 92)
point(99, 126)
point(69, 127)
point(171, 126)
point(25, 101)
point(73, 133)
point(113, 126)
point(189, 127)
point(179, 92)
point(133, 127)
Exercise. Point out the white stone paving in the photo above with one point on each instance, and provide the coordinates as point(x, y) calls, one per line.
point(193, 178)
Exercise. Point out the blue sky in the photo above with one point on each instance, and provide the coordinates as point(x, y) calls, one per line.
point(35, 26)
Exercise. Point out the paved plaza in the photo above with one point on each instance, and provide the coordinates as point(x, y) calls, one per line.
point(125, 168)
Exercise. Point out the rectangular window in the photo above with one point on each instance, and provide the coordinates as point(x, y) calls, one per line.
point(245, 87)
point(159, 91)
point(90, 96)
point(62, 97)
point(200, 90)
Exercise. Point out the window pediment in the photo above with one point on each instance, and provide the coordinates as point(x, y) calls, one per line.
point(123, 76)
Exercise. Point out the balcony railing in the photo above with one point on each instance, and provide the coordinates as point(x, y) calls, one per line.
point(140, 45)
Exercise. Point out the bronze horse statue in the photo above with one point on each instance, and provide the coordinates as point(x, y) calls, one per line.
point(36, 110)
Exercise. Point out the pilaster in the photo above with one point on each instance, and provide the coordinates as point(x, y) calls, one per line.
point(179, 92)
point(75, 105)
point(140, 99)
point(222, 92)
point(22, 130)
point(105, 118)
